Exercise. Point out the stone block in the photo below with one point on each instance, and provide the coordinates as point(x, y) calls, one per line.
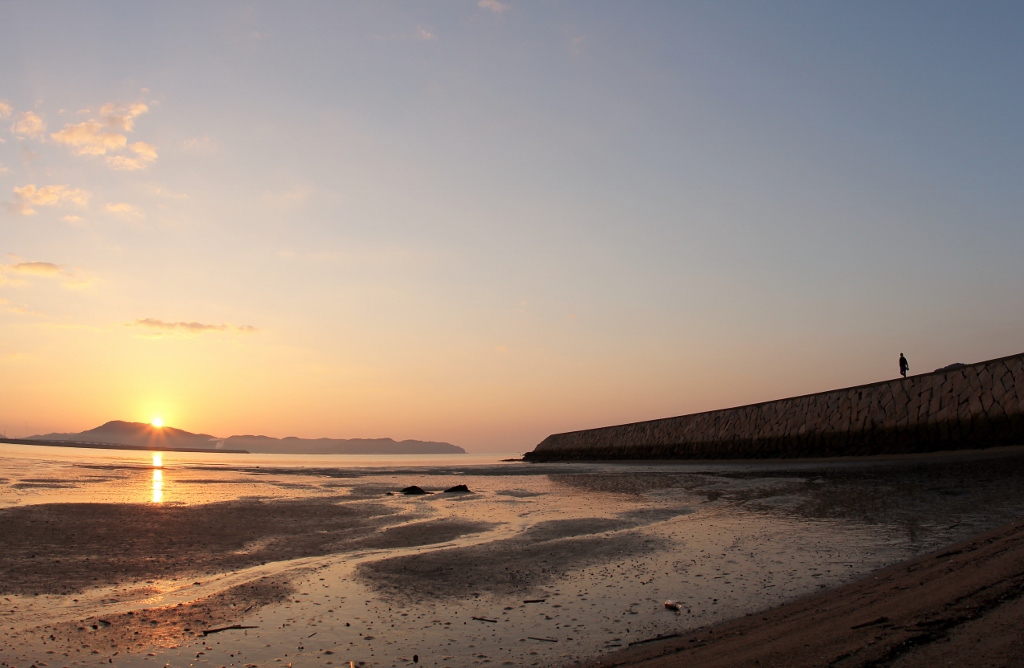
point(997, 391)
point(1008, 404)
point(1018, 387)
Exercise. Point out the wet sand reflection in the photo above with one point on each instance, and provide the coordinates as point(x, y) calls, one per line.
point(158, 478)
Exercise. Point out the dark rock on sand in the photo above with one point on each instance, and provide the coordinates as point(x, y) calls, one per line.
point(413, 489)
point(458, 489)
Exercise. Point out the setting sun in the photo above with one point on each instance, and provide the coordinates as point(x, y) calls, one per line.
point(158, 422)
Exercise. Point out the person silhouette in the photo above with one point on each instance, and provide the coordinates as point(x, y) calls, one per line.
point(904, 366)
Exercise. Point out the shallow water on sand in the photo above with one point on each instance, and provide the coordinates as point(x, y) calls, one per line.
point(539, 565)
point(35, 474)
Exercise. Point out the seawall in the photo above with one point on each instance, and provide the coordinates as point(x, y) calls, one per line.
point(973, 406)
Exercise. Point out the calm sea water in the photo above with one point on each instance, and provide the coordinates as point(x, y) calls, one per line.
point(44, 474)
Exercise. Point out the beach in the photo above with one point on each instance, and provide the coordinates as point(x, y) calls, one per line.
point(239, 560)
point(961, 606)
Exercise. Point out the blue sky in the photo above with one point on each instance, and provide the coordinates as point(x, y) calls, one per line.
point(484, 223)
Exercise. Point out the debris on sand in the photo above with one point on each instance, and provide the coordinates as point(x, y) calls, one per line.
point(672, 605)
point(413, 489)
point(458, 489)
point(233, 627)
point(654, 639)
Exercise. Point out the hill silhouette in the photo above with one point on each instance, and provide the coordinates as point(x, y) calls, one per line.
point(146, 435)
point(136, 433)
point(340, 446)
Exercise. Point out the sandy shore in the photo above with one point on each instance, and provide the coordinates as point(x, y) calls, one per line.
point(541, 565)
point(961, 606)
point(64, 548)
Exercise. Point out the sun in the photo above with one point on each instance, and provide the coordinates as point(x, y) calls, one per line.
point(158, 422)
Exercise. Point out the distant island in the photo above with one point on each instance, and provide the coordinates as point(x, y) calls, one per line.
point(340, 446)
point(146, 436)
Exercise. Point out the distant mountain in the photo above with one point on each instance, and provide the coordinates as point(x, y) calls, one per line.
point(146, 435)
point(340, 446)
point(136, 433)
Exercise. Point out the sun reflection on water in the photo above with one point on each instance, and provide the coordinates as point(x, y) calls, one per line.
point(158, 486)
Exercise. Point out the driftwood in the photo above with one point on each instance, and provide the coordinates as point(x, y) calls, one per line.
point(647, 640)
point(233, 627)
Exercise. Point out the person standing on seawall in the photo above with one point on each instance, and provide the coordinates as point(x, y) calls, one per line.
point(904, 366)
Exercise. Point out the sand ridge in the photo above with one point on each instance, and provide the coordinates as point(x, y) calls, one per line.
point(963, 605)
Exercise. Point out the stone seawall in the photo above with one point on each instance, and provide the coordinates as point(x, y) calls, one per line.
point(974, 406)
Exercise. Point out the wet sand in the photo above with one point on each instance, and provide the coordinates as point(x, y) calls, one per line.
point(64, 548)
point(961, 606)
point(539, 565)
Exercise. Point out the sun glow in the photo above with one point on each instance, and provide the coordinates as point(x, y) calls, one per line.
point(158, 461)
point(158, 422)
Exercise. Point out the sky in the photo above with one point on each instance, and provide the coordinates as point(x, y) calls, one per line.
point(486, 222)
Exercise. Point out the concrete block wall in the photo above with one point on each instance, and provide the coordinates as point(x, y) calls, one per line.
point(974, 406)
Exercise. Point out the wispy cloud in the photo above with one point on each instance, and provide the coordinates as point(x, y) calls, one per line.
point(287, 198)
point(106, 134)
point(7, 307)
point(29, 196)
point(576, 45)
point(35, 268)
point(204, 144)
point(123, 208)
point(144, 154)
point(16, 273)
point(493, 5)
point(157, 190)
point(28, 124)
point(89, 138)
point(161, 326)
point(5, 110)
point(122, 117)
point(425, 33)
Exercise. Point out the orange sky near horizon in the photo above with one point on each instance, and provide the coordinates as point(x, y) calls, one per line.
point(483, 223)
